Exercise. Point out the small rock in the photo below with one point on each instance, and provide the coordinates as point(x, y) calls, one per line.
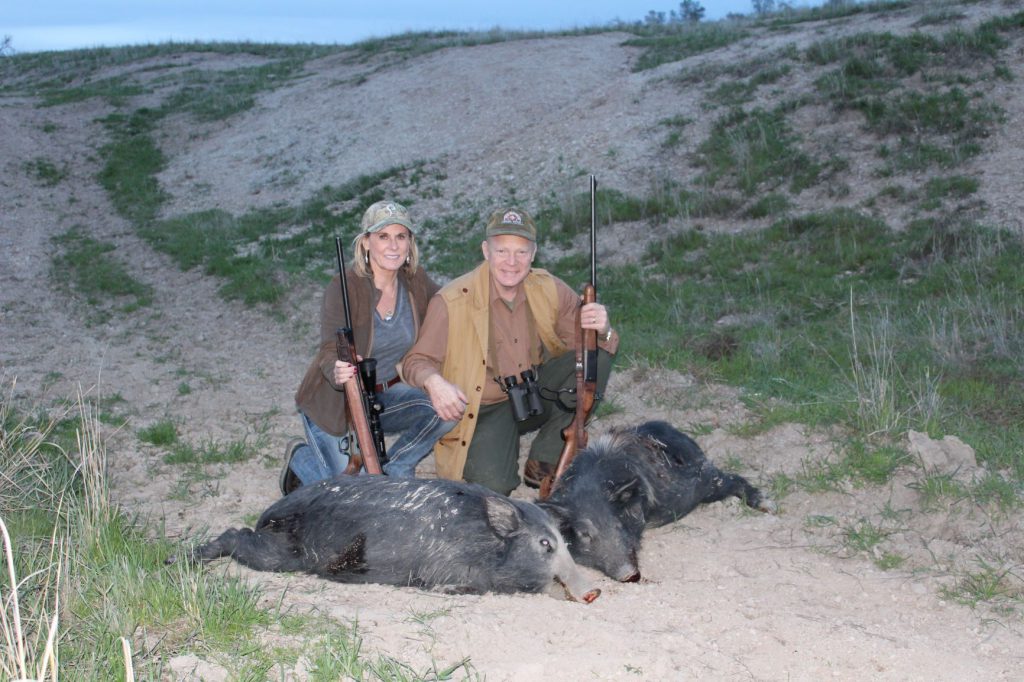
point(947, 456)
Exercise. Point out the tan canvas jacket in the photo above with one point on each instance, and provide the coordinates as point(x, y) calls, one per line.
point(465, 361)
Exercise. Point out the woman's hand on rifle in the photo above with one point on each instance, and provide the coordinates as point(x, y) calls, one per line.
point(343, 372)
point(595, 316)
point(448, 399)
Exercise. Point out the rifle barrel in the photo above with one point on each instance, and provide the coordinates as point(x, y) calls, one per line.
point(344, 284)
point(593, 231)
point(575, 434)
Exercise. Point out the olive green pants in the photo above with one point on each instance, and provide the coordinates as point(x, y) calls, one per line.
point(493, 458)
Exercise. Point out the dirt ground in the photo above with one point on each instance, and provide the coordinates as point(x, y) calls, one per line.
point(727, 593)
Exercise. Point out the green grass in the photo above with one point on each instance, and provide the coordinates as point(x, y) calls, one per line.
point(336, 655)
point(774, 204)
point(256, 265)
point(409, 45)
point(874, 463)
point(454, 247)
point(131, 162)
point(942, 16)
point(843, 320)
point(952, 187)
point(49, 74)
point(88, 268)
point(890, 55)
point(106, 573)
point(674, 43)
point(868, 538)
point(115, 91)
point(784, 18)
point(990, 584)
point(211, 452)
point(675, 125)
point(163, 432)
point(889, 561)
point(879, 76)
point(45, 172)
point(864, 536)
point(217, 95)
point(741, 91)
point(939, 491)
point(563, 221)
point(952, 114)
point(757, 150)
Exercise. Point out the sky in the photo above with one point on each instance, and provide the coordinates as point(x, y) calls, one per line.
point(37, 25)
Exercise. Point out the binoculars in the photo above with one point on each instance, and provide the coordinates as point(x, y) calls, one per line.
point(525, 396)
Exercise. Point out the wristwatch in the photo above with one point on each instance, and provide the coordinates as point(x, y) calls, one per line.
point(608, 336)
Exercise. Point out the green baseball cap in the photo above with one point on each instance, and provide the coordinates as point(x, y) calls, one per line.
point(512, 221)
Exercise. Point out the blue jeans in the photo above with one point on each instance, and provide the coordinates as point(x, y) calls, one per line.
point(407, 412)
point(321, 456)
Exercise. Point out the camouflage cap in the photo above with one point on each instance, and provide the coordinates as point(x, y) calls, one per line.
point(512, 221)
point(384, 213)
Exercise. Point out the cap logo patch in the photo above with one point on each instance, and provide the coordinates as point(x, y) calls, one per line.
point(512, 218)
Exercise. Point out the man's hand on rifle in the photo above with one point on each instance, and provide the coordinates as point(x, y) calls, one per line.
point(595, 316)
point(343, 372)
point(448, 399)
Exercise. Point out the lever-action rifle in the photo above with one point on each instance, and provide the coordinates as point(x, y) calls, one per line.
point(362, 404)
point(575, 434)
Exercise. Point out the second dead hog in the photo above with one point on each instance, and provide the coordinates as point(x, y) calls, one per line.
point(422, 533)
point(636, 478)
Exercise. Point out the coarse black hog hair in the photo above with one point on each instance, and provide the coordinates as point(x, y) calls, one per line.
point(636, 478)
point(458, 537)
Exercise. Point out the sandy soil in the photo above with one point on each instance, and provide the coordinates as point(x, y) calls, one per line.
point(728, 594)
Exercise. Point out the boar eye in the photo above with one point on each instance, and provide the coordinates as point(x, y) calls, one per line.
point(546, 544)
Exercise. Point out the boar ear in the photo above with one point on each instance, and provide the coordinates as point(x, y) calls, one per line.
point(559, 514)
point(555, 511)
point(625, 493)
point(502, 516)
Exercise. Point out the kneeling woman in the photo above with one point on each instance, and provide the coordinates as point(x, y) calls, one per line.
point(388, 294)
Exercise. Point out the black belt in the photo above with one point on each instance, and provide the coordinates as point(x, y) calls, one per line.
point(380, 388)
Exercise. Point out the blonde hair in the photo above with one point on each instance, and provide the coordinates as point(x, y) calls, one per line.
point(361, 255)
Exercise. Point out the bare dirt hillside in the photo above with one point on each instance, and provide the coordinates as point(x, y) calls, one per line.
point(728, 594)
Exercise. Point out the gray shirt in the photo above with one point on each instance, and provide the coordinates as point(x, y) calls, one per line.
point(392, 338)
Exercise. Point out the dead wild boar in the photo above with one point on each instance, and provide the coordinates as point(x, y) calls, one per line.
point(636, 478)
point(429, 534)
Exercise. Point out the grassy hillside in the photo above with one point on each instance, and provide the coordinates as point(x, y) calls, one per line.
point(888, 306)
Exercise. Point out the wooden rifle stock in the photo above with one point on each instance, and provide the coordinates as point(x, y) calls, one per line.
point(575, 434)
point(356, 402)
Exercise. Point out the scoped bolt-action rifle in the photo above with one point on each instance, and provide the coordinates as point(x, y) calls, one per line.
point(575, 434)
point(360, 395)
